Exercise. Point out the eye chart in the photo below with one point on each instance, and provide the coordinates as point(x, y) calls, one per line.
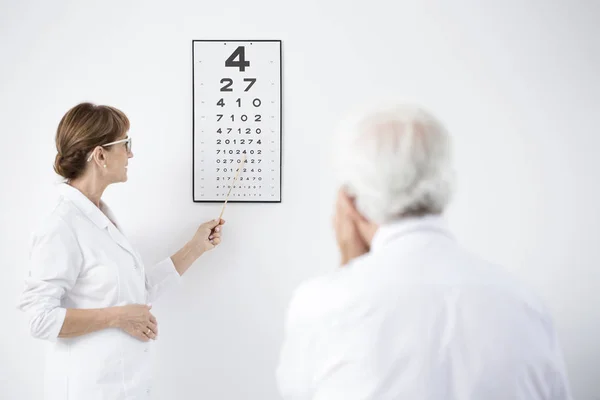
point(237, 120)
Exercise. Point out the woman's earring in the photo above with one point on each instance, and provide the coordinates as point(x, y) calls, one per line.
point(104, 165)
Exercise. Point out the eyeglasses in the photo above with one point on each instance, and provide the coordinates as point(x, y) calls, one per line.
point(127, 141)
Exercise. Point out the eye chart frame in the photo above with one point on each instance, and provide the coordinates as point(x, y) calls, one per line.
point(200, 136)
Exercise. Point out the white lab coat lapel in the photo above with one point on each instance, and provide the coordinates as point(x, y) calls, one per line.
point(116, 233)
point(103, 217)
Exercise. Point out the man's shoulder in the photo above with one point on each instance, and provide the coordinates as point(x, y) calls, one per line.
point(321, 297)
point(367, 281)
point(499, 281)
point(484, 288)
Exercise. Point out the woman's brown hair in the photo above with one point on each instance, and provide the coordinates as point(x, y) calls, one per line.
point(80, 130)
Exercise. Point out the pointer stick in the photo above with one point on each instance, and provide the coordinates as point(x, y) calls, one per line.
point(234, 179)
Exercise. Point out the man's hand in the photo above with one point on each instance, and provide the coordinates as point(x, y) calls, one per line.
point(349, 239)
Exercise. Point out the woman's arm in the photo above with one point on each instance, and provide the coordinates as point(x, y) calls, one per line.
point(168, 272)
point(207, 237)
point(134, 319)
point(82, 321)
point(185, 257)
point(55, 264)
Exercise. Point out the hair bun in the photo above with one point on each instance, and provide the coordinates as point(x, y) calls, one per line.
point(69, 167)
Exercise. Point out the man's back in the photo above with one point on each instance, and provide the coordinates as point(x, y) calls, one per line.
point(419, 318)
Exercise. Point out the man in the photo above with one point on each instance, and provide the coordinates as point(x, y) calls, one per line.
point(411, 315)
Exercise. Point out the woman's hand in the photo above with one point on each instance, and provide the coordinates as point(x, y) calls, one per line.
point(136, 320)
point(208, 235)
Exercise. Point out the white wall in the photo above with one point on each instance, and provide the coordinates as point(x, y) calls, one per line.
point(515, 81)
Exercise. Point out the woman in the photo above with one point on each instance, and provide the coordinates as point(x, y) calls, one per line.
point(88, 290)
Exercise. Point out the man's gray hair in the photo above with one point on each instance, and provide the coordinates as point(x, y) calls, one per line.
point(395, 162)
